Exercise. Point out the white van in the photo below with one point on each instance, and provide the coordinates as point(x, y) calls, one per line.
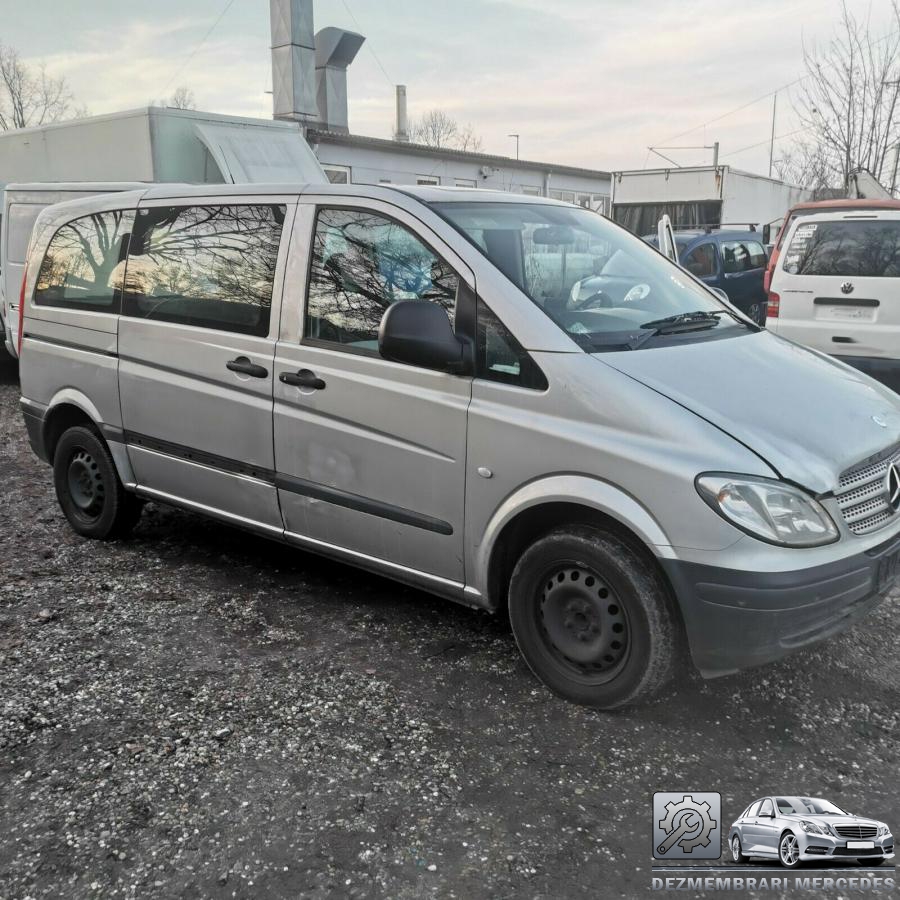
point(836, 288)
point(21, 205)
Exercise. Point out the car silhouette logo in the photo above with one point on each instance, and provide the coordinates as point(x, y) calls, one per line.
point(893, 486)
point(847, 288)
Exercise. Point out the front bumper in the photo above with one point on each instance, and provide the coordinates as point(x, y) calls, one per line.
point(821, 846)
point(738, 619)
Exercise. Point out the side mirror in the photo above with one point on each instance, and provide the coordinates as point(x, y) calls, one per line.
point(720, 294)
point(418, 332)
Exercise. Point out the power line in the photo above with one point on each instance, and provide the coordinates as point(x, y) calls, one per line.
point(368, 44)
point(203, 40)
point(764, 143)
point(777, 90)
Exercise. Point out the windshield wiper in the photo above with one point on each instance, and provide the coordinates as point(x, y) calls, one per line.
point(691, 321)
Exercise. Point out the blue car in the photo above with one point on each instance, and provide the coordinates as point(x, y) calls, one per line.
point(733, 261)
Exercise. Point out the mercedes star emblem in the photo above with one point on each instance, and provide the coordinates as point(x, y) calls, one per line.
point(893, 485)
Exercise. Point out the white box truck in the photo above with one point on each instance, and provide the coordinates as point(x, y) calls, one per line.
point(122, 151)
point(701, 197)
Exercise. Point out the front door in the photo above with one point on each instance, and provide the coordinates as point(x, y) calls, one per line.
point(196, 348)
point(370, 454)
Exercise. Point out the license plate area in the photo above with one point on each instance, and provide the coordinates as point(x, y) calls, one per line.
point(844, 309)
point(860, 845)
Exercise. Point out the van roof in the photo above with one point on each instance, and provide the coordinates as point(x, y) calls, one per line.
point(844, 204)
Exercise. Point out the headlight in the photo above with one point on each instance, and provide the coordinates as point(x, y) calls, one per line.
point(813, 827)
point(769, 510)
point(883, 830)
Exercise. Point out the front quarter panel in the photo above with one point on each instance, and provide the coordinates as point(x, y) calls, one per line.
point(601, 440)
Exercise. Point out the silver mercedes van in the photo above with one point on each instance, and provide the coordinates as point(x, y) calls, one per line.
point(507, 401)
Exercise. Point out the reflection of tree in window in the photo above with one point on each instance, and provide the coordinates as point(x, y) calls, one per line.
point(211, 266)
point(81, 267)
point(362, 263)
point(862, 249)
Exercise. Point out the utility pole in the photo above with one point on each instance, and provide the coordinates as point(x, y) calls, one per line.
point(772, 140)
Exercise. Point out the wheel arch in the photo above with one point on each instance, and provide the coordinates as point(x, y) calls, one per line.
point(540, 506)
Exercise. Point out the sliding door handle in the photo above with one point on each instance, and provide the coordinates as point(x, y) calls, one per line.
point(303, 378)
point(243, 366)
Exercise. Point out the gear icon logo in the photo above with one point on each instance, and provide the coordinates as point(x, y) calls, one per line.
point(687, 826)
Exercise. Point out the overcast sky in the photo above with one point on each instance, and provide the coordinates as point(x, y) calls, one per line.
point(585, 82)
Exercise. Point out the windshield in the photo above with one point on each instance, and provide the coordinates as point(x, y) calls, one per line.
point(602, 285)
point(805, 806)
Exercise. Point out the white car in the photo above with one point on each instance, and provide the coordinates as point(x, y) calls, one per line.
point(836, 288)
point(803, 829)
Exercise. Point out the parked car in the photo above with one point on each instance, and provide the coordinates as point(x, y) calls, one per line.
point(733, 261)
point(795, 830)
point(390, 377)
point(811, 208)
point(836, 288)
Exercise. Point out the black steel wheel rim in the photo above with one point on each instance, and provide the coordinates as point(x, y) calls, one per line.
point(85, 484)
point(582, 621)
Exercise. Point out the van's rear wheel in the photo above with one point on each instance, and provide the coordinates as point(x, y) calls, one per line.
point(88, 487)
point(592, 618)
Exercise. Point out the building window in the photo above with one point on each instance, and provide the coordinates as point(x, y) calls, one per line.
point(82, 268)
point(205, 266)
point(565, 196)
point(427, 179)
point(532, 191)
point(384, 180)
point(466, 182)
point(338, 174)
point(362, 263)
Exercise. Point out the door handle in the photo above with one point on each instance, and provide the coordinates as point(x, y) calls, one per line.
point(245, 367)
point(304, 378)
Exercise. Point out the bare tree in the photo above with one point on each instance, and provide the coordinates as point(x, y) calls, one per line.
point(849, 102)
point(468, 139)
point(438, 129)
point(803, 164)
point(29, 96)
point(183, 98)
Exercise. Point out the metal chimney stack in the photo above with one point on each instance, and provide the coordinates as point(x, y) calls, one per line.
point(293, 60)
point(335, 50)
point(401, 132)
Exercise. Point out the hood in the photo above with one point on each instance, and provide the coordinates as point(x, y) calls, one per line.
point(809, 416)
point(833, 820)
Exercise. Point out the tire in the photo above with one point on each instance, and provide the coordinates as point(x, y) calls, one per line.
point(592, 618)
point(789, 858)
point(737, 851)
point(88, 487)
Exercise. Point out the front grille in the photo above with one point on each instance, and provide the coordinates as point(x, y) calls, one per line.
point(856, 832)
point(863, 495)
point(849, 851)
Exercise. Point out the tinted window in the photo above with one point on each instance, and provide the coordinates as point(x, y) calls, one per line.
point(81, 268)
point(766, 808)
point(846, 248)
point(701, 261)
point(501, 357)
point(742, 256)
point(362, 263)
point(208, 266)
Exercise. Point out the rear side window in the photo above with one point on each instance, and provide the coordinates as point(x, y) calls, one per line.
point(869, 249)
point(206, 266)
point(83, 265)
point(742, 256)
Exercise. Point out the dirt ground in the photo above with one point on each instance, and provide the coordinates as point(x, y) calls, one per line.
point(195, 712)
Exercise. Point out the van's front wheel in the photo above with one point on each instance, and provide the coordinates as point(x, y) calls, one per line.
point(592, 618)
point(88, 487)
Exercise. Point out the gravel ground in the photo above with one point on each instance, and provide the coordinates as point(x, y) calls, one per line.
point(199, 713)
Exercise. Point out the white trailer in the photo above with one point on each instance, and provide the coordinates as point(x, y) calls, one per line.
point(701, 197)
point(121, 151)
